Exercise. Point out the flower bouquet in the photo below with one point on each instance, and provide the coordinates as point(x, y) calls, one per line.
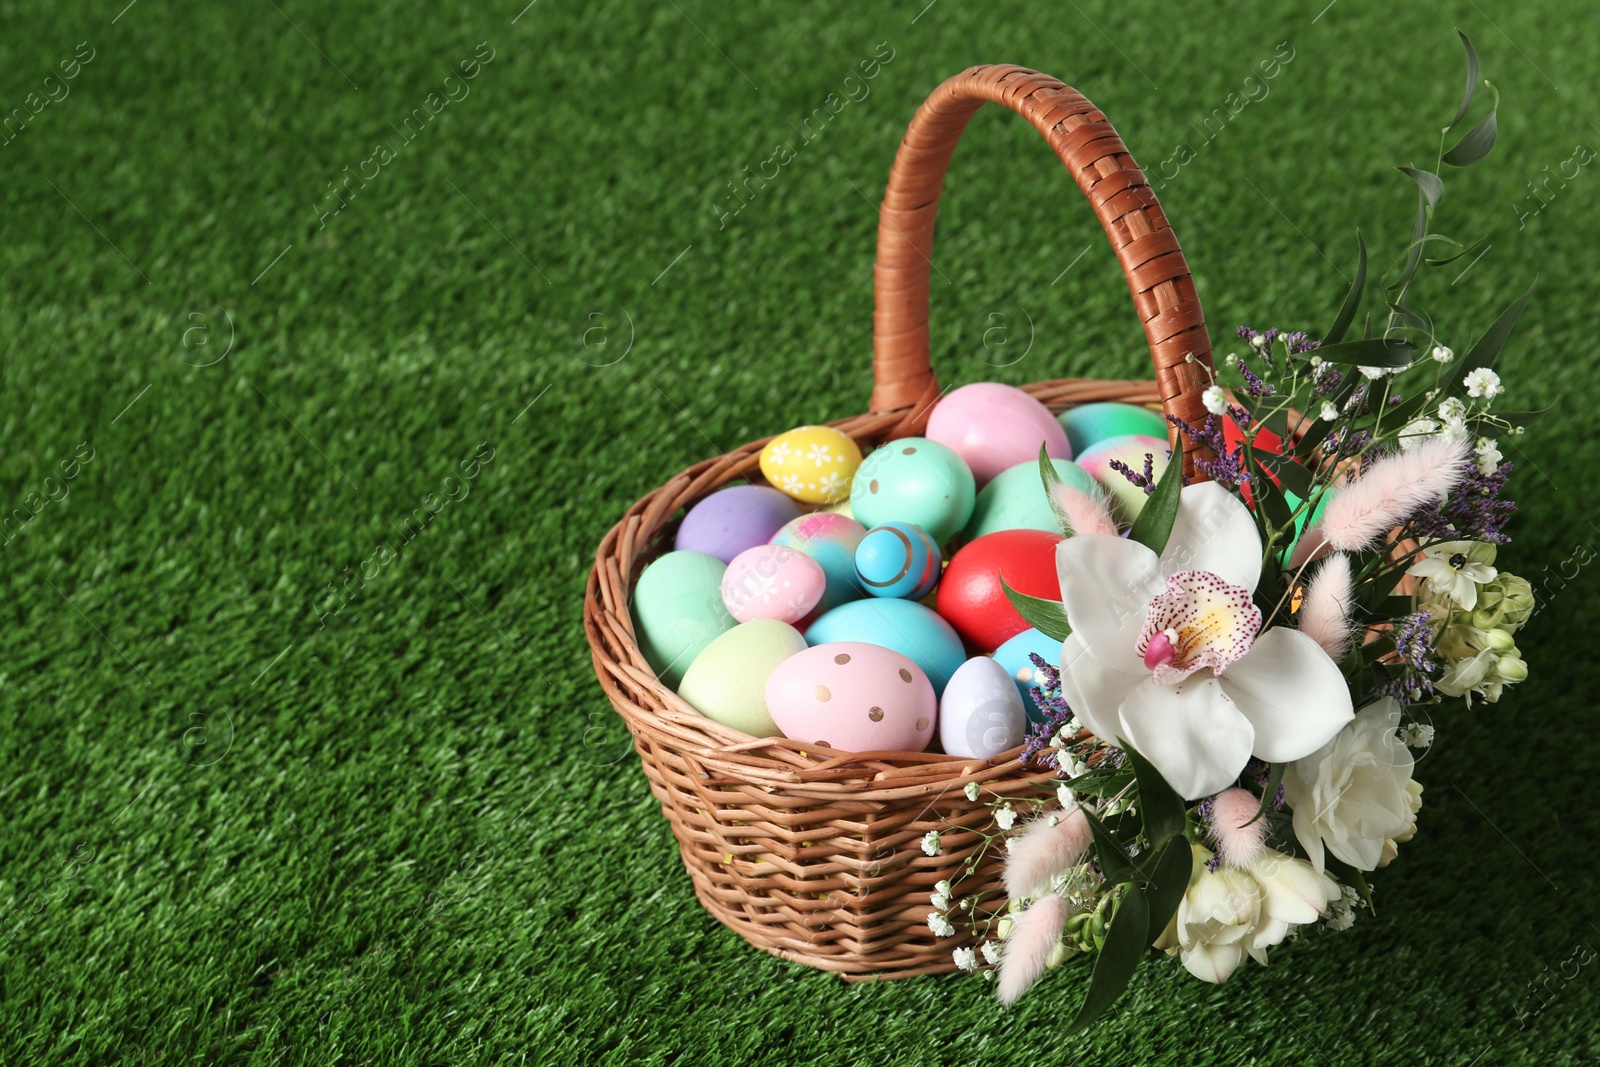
point(1247, 670)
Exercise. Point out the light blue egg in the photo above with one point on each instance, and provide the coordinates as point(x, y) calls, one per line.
point(1089, 424)
point(898, 559)
point(914, 480)
point(1016, 499)
point(904, 626)
point(678, 611)
point(1013, 656)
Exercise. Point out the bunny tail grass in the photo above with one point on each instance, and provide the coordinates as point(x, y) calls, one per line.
point(1325, 614)
point(1041, 851)
point(1027, 951)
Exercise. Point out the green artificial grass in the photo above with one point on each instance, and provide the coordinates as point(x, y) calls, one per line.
point(415, 831)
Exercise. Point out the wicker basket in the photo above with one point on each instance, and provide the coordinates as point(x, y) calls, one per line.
point(815, 855)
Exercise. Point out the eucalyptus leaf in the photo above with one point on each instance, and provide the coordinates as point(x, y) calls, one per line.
point(1373, 352)
point(1154, 524)
point(1162, 808)
point(1472, 81)
point(1126, 940)
point(1109, 852)
point(1352, 299)
point(1294, 476)
point(1431, 184)
point(1049, 617)
point(1466, 250)
point(1479, 140)
point(1169, 880)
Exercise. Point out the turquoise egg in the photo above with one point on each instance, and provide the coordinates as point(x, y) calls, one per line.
point(1014, 657)
point(1089, 424)
point(903, 626)
point(678, 611)
point(898, 559)
point(829, 539)
point(918, 481)
point(1016, 499)
point(1302, 521)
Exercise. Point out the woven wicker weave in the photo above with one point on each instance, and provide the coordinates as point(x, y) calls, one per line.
point(814, 855)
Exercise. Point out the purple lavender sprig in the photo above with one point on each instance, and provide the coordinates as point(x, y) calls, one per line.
point(1145, 481)
point(1228, 466)
point(1413, 643)
point(1474, 511)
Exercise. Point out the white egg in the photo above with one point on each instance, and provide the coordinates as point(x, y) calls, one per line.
point(981, 712)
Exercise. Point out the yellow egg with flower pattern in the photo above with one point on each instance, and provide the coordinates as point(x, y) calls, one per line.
point(812, 464)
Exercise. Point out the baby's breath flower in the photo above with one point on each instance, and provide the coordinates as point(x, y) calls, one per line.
point(930, 842)
point(1005, 817)
point(1484, 383)
point(1064, 796)
point(943, 886)
point(971, 790)
point(1329, 412)
point(940, 926)
point(1489, 456)
point(966, 959)
point(940, 901)
point(991, 951)
point(1417, 735)
point(1453, 410)
point(1441, 354)
point(1215, 400)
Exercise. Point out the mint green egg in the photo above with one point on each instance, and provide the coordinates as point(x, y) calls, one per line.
point(918, 481)
point(1089, 424)
point(678, 611)
point(1016, 499)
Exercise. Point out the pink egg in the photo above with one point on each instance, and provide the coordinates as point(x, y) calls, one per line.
point(773, 582)
point(854, 697)
point(994, 427)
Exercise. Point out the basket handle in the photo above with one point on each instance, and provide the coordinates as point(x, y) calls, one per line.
point(1163, 290)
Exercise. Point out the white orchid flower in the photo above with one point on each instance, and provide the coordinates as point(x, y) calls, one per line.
point(1167, 652)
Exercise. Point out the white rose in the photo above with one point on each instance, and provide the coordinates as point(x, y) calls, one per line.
point(1354, 794)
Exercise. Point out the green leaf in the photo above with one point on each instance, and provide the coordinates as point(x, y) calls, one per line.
point(1374, 352)
point(1294, 476)
point(1126, 939)
point(1518, 418)
point(1160, 806)
point(1431, 184)
point(1052, 478)
point(1049, 617)
point(1466, 250)
point(1274, 779)
point(1494, 338)
point(1109, 852)
point(1479, 140)
point(1154, 524)
point(1352, 299)
point(1169, 880)
point(1270, 501)
point(1472, 81)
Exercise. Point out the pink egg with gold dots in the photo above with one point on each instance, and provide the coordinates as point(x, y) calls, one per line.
point(854, 697)
point(772, 582)
point(994, 427)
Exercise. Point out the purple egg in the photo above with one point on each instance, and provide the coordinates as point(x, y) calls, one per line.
point(731, 520)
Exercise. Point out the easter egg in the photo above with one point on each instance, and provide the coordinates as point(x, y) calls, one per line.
point(898, 559)
point(918, 481)
point(772, 582)
point(813, 464)
point(971, 598)
point(678, 610)
point(1016, 500)
point(1089, 424)
point(904, 626)
point(727, 681)
point(993, 427)
point(853, 696)
point(733, 519)
point(1131, 449)
point(981, 712)
point(1015, 657)
point(831, 540)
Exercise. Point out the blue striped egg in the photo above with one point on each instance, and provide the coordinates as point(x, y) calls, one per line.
point(898, 559)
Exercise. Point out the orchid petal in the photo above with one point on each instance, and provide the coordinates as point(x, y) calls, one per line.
point(1105, 584)
point(1214, 532)
point(1191, 732)
point(1092, 690)
point(1293, 694)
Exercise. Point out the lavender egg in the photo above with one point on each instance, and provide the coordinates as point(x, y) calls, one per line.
point(731, 520)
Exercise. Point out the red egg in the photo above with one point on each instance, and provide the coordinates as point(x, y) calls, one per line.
point(971, 598)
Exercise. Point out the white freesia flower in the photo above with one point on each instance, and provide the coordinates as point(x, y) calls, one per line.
point(1354, 794)
point(1230, 913)
point(1453, 570)
point(1167, 653)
